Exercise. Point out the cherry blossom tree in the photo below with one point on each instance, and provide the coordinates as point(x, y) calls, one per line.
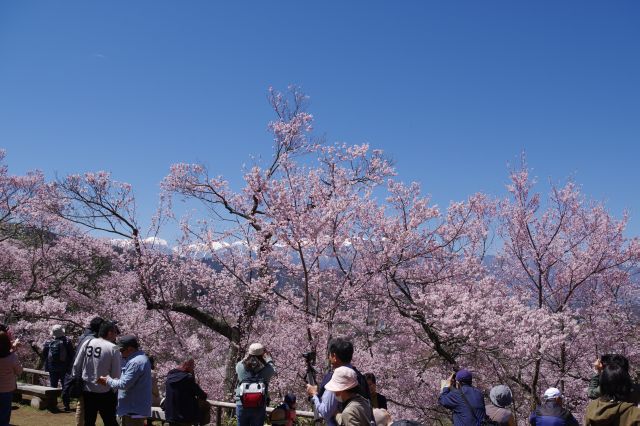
point(287, 239)
point(569, 258)
point(323, 240)
point(49, 272)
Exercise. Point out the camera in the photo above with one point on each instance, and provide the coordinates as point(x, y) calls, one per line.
point(310, 357)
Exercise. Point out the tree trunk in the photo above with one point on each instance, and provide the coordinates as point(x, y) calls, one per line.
point(230, 379)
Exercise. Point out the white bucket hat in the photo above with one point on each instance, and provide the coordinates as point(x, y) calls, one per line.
point(343, 378)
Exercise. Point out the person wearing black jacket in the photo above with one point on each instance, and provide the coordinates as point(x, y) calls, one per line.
point(181, 406)
point(58, 355)
point(551, 412)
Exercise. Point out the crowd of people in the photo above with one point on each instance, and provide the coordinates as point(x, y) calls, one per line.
point(614, 401)
point(111, 376)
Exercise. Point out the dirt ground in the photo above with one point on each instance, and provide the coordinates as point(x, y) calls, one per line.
point(25, 415)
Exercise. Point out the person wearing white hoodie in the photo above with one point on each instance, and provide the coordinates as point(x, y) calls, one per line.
point(99, 357)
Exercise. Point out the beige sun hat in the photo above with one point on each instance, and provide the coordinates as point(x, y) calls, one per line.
point(256, 349)
point(343, 378)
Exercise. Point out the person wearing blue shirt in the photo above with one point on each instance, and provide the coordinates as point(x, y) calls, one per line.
point(134, 384)
point(465, 401)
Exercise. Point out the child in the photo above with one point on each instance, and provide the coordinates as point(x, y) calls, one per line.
point(285, 413)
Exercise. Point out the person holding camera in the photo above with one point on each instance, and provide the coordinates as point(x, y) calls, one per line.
point(252, 395)
point(324, 400)
point(465, 401)
point(133, 385)
point(594, 392)
point(612, 407)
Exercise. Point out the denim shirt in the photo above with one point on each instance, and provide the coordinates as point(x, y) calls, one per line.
point(134, 386)
point(327, 407)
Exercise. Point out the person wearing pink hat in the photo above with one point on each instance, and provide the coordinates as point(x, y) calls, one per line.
point(340, 355)
point(356, 410)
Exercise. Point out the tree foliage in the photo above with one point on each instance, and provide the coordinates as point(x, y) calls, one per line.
point(323, 241)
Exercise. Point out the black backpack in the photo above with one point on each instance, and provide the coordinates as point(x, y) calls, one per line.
point(58, 352)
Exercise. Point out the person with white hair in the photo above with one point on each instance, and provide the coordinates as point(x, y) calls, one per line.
point(382, 417)
point(551, 412)
point(252, 394)
point(58, 355)
point(356, 410)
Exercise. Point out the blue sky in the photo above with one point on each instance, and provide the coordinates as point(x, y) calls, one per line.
point(452, 91)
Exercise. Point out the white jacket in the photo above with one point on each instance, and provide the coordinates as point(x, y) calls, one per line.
point(97, 357)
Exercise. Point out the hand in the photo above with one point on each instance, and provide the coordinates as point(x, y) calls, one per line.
point(598, 366)
point(102, 380)
point(16, 344)
point(312, 390)
point(452, 380)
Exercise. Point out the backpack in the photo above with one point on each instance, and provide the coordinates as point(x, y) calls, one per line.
point(279, 415)
point(57, 353)
point(253, 392)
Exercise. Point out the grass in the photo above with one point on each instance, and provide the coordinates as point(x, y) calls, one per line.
point(25, 415)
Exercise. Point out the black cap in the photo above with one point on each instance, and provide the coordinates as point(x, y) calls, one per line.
point(128, 341)
point(95, 324)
